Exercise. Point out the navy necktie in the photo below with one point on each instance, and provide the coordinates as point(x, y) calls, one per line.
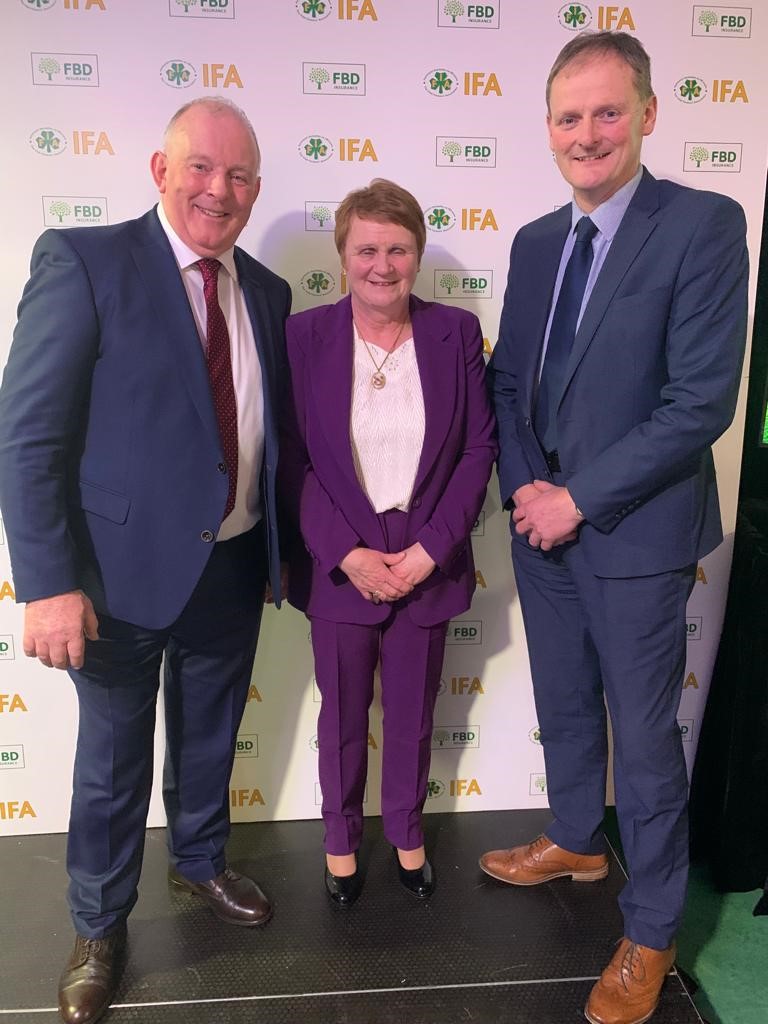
point(561, 334)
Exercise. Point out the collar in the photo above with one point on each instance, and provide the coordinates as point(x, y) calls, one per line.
point(186, 257)
point(608, 215)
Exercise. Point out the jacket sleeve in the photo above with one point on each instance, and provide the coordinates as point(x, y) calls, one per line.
point(704, 350)
point(43, 406)
point(458, 507)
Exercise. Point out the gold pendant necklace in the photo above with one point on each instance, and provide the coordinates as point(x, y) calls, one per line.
point(379, 379)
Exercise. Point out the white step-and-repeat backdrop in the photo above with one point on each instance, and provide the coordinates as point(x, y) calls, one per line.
point(446, 97)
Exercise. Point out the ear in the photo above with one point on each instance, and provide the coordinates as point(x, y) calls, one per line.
point(158, 165)
point(549, 130)
point(256, 189)
point(649, 115)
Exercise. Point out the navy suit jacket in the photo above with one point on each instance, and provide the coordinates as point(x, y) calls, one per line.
point(318, 480)
point(109, 444)
point(652, 379)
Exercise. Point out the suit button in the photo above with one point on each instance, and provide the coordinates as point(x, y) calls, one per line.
point(222, 467)
point(416, 503)
point(207, 536)
point(527, 422)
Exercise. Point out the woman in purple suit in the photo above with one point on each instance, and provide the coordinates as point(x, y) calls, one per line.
point(386, 456)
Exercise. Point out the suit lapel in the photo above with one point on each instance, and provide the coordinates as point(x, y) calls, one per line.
point(634, 230)
point(330, 375)
point(160, 273)
point(263, 331)
point(436, 356)
point(538, 285)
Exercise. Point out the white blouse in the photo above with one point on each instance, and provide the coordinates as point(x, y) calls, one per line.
point(386, 424)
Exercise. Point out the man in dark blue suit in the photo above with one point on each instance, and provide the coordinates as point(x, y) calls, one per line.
point(617, 367)
point(138, 448)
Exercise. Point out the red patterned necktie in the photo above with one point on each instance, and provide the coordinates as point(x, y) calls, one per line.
point(220, 373)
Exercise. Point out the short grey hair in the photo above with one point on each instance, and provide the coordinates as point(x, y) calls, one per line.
point(604, 44)
point(215, 105)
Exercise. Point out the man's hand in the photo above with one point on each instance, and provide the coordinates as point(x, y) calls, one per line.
point(415, 566)
point(369, 571)
point(55, 629)
point(548, 516)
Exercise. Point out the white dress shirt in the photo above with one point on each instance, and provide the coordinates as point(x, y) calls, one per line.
point(246, 375)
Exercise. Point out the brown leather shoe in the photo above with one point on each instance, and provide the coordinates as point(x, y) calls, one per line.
point(234, 898)
point(89, 980)
point(628, 990)
point(540, 861)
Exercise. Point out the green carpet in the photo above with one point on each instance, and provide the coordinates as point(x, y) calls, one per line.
point(723, 948)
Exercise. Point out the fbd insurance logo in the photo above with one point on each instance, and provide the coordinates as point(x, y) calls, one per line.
point(7, 649)
point(463, 284)
point(715, 22)
point(65, 69)
point(720, 157)
point(439, 218)
point(465, 151)
point(314, 10)
point(333, 79)
point(74, 211)
point(320, 216)
point(48, 141)
point(441, 82)
point(178, 74)
point(201, 8)
point(459, 14)
point(11, 757)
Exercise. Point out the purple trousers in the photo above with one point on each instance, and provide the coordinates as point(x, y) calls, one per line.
point(411, 658)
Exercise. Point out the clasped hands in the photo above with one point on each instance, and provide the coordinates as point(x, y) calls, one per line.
point(383, 576)
point(546, 513)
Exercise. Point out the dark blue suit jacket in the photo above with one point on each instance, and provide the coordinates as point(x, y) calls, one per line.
point(651, 382)
point(109, 445)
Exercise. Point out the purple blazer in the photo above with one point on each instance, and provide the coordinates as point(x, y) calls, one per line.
point(318, 485)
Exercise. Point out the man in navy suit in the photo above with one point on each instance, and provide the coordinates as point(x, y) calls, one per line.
point(617, 367)
point(138, 448)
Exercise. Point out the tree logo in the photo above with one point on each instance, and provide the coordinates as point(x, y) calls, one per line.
point(537, 785)
point(59, 208)
point(690, 89)
point(435, 788)
point(451, 149)
point(441, 738)
point(316, 149)
point(186, 4)
point(454, 9)
point(441, 82)
point(708, 19)
point(449, 281)
point(320, 216)
point(318, 283)
point(49, 66)
point(314, 10)
point(179, 74)
point(575, 17)
point(699, 154)
point(320, 76)
point(439, 218)
point(48, 141)
point(38, 5)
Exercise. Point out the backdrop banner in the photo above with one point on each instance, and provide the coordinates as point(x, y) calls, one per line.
point(446, 97)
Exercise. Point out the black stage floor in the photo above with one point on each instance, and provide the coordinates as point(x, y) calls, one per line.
point(477, 952)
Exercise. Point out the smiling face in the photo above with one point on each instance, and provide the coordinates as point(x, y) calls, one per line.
point(208, 178)
point(596, 125)
point(381, 261)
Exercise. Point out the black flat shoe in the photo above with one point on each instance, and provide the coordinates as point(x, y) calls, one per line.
point(343, 889)
point(420, 882)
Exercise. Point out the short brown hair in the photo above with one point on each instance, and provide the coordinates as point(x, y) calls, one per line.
point(382, 201)
point(604, 44)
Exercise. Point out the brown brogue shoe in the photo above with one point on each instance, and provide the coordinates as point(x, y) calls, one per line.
point(234, 898)
point(628, 990)
point(541, 861)
point(89, 980)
